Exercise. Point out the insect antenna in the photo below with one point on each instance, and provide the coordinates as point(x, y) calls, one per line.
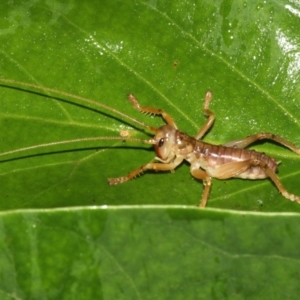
point(79, 140)
point(82, 99)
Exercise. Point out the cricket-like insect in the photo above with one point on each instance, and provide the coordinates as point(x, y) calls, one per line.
point(172, 147)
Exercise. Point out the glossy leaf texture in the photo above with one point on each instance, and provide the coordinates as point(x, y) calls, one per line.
point(167, 55)
point(65, 233)
point(126, 255)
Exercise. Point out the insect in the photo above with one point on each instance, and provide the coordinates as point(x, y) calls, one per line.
point(172, 147)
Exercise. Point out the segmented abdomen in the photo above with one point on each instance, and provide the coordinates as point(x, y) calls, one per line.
point(215, 156)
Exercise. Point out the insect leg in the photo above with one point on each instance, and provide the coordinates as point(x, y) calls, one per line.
point(151, 110)
point(243, 143)
point(225, 171)
point(276, 181)
point(207, 112)
point(150, 166)
point(202, 175)
point(231, 169)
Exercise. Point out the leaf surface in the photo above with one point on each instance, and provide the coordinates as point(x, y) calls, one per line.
point(168, 54)
point(126, 254)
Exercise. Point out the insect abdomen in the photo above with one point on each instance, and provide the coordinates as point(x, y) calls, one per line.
point(217, 155)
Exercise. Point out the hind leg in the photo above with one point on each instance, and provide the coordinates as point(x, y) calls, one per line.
point(243, 143)
point(277, 181)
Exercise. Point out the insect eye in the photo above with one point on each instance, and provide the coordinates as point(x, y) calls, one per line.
point(161, 142)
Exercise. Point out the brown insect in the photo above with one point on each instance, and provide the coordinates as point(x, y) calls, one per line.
point(172, 147)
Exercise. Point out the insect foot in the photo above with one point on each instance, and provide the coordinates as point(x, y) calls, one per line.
point(291, 197)
point(114, 181)
point(131, 175)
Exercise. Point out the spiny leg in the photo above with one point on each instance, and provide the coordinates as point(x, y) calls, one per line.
point(243, 143)
point(276, 180)
point(202, 175)
point(151, 110)
point(150, 166)
point(207, 112)
point(225, 171)
point(233, 169)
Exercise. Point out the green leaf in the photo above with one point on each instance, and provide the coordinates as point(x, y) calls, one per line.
point(168, 54)
point(126, 255)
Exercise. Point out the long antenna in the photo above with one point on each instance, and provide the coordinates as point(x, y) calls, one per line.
point(85, 100)
point(150, 141)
